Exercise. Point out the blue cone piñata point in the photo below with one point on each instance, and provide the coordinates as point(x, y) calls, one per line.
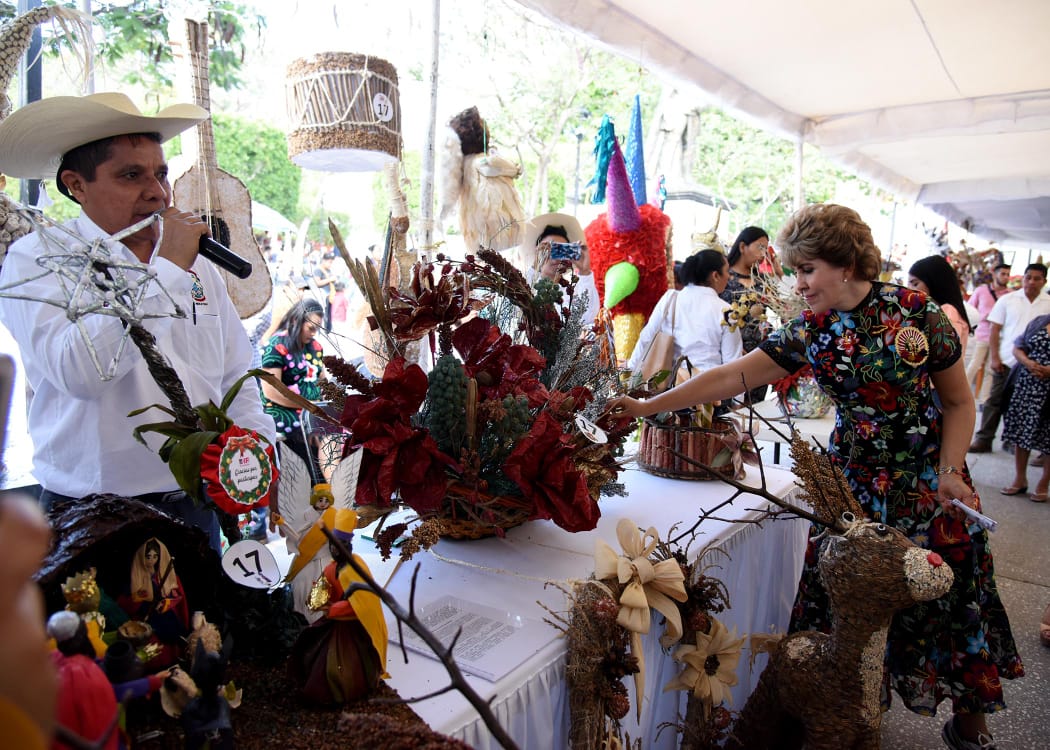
point(603, 149)
point(634, 154)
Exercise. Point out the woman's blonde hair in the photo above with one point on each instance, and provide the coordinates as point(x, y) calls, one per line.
point(834, 234)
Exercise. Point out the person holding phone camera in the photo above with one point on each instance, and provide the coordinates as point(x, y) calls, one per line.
point(553, 246)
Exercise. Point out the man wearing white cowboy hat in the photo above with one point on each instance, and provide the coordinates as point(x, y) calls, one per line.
point(547, 230)
point(105, 155)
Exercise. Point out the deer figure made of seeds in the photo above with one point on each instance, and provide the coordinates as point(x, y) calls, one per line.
point(823, 690)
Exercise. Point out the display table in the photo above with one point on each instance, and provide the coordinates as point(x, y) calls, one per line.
point(760, 570)
point(810, 429)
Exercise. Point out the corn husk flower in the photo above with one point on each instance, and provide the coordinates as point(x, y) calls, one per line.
point(710, 666)
point(649, 584)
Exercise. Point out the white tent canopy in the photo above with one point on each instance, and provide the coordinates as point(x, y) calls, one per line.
point(269, 220)
point(944, 102)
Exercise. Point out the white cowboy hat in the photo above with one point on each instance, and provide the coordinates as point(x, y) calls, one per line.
point(34, 138)
point(535, 226)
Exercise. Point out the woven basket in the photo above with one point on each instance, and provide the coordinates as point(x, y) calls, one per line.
point(701, 444)
point(465, 528)
point(509, 511)
point(344, 111)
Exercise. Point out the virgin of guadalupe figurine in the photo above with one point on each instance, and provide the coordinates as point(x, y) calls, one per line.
point(341, 657)
point(155, 596)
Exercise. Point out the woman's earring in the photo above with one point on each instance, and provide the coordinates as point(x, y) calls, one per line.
point(845, 280)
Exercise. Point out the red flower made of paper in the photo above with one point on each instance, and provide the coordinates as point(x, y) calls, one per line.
point(541, 465)
point(235, 438)
point(500, 367)
point(398, 457)
point(429, 302)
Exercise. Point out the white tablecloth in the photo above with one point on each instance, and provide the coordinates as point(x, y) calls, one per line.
point(531, 701)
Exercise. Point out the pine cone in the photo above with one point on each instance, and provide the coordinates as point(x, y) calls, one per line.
point(618, 704)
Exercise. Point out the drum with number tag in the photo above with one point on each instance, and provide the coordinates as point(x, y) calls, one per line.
point(344, 112)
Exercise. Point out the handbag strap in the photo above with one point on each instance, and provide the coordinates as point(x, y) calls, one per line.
point(674, 309)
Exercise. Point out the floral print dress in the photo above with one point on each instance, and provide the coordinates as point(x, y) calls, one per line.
point(875, 361)
point(299, 372)
point(1024, 422)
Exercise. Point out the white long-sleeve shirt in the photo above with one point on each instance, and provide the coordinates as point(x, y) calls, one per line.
point(699, 329)
point(79, 423)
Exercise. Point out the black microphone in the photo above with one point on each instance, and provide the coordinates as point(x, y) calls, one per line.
point(224, 258)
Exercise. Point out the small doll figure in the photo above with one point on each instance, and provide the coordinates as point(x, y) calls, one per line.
point(86, 704)
point(206, 716)
point(84, 597)
point(341, 657)
point(156, 597)
point(303, 503)
point(481, 182)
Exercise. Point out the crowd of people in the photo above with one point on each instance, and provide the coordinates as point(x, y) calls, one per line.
point(892, 358)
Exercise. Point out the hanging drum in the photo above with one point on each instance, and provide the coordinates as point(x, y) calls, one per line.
point(344, 112)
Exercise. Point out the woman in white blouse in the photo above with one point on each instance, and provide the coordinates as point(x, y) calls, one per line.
point(699, 328)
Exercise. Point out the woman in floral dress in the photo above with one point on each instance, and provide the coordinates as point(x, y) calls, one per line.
point(294, 355)
point(878, 350)
point(749, 248)
point(1026, 423)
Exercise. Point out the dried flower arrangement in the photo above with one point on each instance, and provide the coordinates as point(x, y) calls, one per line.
point(607, 617)
point(500, 431)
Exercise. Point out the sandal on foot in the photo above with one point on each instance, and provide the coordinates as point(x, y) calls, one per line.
point(1038, 497)
point(1014, 489)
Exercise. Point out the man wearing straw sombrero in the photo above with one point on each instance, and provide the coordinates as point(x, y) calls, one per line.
point(106, 156)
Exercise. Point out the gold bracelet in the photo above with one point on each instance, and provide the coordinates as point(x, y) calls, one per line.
point(947, 470)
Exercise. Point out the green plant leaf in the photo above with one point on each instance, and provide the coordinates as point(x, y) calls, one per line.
point(145, 409)
point(185, 461)
point(231, 394)
point(173, 430)
point(213, 418)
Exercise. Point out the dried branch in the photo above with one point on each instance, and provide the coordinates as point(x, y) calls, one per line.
point(444, 653)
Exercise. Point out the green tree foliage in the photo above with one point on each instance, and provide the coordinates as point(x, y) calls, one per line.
point(257, 153)
point(559, 84)
point(135, 40)
point(755, 170)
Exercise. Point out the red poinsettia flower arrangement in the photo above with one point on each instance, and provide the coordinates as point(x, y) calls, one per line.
point(489, 435)
point(500, 367)
point(398, 459)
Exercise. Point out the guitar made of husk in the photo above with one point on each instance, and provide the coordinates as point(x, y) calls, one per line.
point(219, 197)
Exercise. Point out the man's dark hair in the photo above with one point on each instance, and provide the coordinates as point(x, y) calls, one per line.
point(1002, 265)
point(85, 159)
point(551, 230)
point(1036, 267)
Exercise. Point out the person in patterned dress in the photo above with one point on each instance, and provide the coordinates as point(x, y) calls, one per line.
point(748, 250)
point(1025, 423)
point(879, 350)
point(294, 355)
